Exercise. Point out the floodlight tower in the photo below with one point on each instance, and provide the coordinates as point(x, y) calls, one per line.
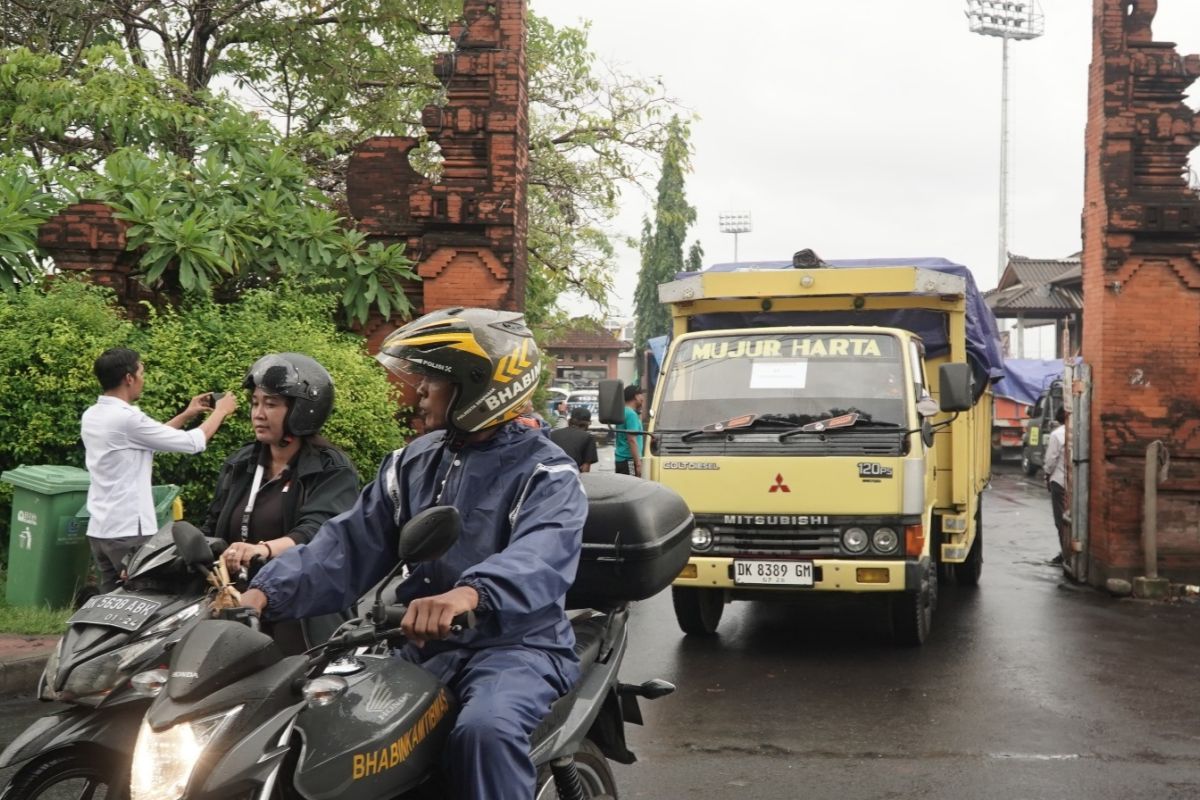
point(1007, 19)
point(734, 222)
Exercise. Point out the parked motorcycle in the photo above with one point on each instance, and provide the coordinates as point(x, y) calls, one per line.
point(235, 719)
point(85, 749)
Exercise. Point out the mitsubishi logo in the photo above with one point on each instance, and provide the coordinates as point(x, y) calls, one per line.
point(779, 486)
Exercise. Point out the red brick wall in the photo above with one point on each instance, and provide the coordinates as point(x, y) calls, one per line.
point(1141, 283)
point(467, 232)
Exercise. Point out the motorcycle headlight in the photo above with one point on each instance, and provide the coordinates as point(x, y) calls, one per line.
point(92, 681)
point(163, 761)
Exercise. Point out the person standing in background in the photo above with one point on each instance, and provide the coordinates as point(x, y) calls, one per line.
point(576, 441)
point(1055, 466)
point(628, 450)
point(119, 443)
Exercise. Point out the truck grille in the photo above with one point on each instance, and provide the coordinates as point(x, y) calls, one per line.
point(731, 540)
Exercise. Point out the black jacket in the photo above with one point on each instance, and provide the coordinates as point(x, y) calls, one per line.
point(327, 480)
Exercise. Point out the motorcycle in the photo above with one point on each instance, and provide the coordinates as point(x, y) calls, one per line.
point(234, 719)
point(88, 746)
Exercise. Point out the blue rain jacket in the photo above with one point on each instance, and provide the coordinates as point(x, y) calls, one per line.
point(522, 508)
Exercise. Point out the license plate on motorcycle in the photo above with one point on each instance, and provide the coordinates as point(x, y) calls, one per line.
point(773, 573)
point(115, 610)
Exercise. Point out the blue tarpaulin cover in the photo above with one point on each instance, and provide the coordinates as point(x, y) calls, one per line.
point(983, 336)
point(1026, 378)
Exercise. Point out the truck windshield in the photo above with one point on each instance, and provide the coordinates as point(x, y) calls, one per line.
point(797, 378)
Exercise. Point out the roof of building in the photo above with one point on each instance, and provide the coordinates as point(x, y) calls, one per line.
point(587, 334)
point(1037, 287)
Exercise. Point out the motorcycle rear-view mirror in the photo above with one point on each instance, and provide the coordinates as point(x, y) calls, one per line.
point(612, 402)
point(191, 545)
point(428, 535)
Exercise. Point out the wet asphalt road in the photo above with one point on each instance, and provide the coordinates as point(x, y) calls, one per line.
point(1027, 688)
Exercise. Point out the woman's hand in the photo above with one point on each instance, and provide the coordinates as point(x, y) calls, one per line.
point(239, 554)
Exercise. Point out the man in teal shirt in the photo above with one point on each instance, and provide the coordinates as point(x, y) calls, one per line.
point(628, 452)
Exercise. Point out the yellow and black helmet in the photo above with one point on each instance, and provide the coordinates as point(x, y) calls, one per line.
point(490, 355)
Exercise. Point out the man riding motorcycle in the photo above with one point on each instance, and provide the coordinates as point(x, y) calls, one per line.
point(523, 510)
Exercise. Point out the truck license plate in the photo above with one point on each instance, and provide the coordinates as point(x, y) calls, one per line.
point(773, 573)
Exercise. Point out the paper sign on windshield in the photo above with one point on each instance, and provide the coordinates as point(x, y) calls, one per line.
point(778, 374)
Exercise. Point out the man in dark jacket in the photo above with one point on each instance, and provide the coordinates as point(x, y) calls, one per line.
point(575, 439)
point(522, 509)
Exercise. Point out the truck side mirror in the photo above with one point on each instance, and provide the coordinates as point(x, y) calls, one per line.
point(612, 402)
point(954, 387)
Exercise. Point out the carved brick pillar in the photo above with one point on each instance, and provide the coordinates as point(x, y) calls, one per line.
point(467, 232)
point(86, 238)
point(1141, 281)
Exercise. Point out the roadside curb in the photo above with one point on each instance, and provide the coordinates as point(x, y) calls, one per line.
point(21, 675)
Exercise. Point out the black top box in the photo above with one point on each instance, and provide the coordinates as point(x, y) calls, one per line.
point(637, 538)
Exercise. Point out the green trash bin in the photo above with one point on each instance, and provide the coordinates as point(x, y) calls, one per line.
point(164, 502)
point(48, 552)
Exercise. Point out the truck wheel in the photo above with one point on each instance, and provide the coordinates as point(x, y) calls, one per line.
point(1027, 465)
point(698, 611)
point(967, 573)
point(912, 612)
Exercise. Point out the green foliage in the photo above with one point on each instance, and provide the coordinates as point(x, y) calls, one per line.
point(695, 257)
point(329, 75)
point(30, 621)
point(210, 347)
point(217, 201)
point(49, 341)
point(662, 246)
point(23, 206)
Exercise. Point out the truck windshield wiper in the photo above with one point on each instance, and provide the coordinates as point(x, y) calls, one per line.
point(842, 422)
point(742, 423)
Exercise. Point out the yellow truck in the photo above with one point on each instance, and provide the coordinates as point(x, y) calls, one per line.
point(829, 425)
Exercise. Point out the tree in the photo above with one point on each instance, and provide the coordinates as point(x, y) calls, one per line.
point(662, 247)
point(695, 257)
point(329, 74)
point(215, 202)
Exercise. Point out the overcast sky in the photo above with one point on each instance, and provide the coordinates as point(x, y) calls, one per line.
point(865, 128)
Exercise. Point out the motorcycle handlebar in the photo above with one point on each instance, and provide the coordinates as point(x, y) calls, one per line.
point(393, 615)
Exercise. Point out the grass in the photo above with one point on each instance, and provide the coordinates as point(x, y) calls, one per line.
point(30, 621)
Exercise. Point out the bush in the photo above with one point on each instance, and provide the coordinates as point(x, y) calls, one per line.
point(48, 342)
point(210, 347)
point(50, 338)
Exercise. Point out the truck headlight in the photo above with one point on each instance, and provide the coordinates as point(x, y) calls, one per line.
point(855, 540)
point(702, 538)
point(885, 540)
point(163, 761)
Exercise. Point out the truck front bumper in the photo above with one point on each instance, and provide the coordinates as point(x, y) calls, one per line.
point(829, 575)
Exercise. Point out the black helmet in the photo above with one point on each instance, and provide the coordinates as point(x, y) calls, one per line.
point(489, 355)
point(300, 379)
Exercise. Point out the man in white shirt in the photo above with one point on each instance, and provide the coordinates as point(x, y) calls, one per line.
point(120, 442)
point(1055, 467)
